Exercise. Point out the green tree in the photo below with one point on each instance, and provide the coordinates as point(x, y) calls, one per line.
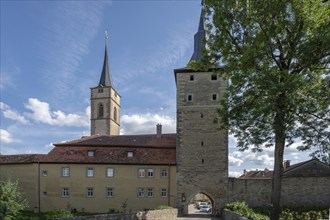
point(275, 56)
point(11, 199)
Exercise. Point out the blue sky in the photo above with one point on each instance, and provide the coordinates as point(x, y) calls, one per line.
point(52, 54)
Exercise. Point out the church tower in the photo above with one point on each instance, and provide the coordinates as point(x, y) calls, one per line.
point(105, 102)
point(202, 147)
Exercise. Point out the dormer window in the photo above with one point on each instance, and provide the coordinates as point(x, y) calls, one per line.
point(90, 153)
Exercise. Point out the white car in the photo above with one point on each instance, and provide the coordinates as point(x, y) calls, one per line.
point(205, 208)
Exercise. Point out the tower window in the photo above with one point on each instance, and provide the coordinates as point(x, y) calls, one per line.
point(214, 77)
point(214, 97)
point(115, 114)
point(189, 97)
point(191, 77)
point(101, 110)
point(100, 90)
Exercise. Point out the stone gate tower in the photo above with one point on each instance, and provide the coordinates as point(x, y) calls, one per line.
point(202, 148)
point(105, 103)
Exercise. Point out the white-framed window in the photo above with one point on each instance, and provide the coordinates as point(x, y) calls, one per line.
point(90, 192)
point(163, 192)
point(109, 192)
point(163, 173)
point(65, 171)
point(109, 172)
point(150, 172)
point(150, 192)
point(90, 171)
point(141, 172)
point(44, 173)
point(140, 192)
point(130, 154)
point(65, 192)
point(90, 153)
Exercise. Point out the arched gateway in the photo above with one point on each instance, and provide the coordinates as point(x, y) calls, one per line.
point(202, 147)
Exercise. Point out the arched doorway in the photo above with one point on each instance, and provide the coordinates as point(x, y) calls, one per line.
point(200, 205)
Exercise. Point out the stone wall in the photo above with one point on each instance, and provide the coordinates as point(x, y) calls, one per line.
point(296, 191)
point(164, 214)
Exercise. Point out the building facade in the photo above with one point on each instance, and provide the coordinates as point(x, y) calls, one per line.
point(109, 172)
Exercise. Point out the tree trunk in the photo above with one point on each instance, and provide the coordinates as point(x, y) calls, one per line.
point(278, 166)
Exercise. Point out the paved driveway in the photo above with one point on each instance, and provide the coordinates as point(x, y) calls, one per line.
point(197, 215)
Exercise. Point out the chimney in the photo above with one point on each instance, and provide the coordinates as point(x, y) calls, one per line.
point(245, 172)
point(286, 164)
point(159, 130)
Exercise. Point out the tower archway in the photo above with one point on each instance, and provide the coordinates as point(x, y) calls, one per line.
point(200, 204)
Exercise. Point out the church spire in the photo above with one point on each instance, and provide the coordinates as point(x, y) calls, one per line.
point(199, 38)
point(105, 79)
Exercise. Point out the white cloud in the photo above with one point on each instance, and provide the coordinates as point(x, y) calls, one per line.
point(12, 114)
point(233, 161)
point(146, 123)
point(41, 113)
point(235, 174)
point(5, 136)
point(49, 146)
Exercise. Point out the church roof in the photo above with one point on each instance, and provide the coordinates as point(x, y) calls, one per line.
point(105, 79)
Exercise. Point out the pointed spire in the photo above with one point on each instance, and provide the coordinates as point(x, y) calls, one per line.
point(105, 79)
point(199, 38)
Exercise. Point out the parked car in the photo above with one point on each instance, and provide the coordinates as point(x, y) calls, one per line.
point(205, 208)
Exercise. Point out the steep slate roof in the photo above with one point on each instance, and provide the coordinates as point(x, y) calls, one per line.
point(199, 38)
point(105, 79)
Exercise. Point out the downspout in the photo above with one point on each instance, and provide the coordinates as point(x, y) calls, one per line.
point(169, 186)
point(39, 186)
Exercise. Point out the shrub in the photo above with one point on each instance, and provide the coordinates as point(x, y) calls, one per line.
point(11, 199)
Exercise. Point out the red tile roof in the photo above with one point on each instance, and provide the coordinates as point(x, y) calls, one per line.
point(257, 174)
point(20, 158)
point(146, 149)
point(166, 140)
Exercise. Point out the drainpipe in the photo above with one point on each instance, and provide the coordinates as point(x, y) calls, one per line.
point(39, 186)
point(169, 186)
